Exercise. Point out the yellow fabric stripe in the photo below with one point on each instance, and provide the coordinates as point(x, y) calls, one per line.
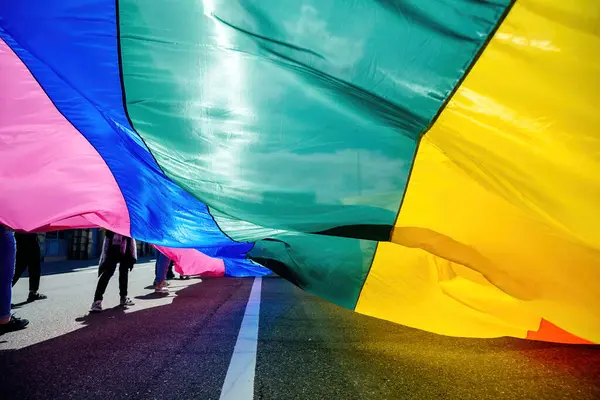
point(501, 222)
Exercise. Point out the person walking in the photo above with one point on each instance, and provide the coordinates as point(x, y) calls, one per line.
point(117, 249)
point(28, 257)
point(8, 250)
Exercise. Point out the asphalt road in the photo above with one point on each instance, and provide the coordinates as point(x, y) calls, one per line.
point(180, 347)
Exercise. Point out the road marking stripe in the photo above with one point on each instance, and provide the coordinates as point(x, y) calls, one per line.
point(239, 381)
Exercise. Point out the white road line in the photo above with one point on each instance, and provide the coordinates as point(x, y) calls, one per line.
point(239, 381)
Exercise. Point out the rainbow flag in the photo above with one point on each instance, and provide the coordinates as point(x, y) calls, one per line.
point(435, 163)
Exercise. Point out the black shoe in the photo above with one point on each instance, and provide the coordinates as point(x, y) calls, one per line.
point(170, 276)
point(15, 324)
point(33, 296)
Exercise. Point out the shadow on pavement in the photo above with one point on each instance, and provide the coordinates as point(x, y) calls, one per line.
point(180, 350)
point(152, 296)
point(99, 317)
point(18, 305)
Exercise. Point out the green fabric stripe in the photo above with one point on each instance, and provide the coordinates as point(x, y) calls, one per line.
point(295, 115)
point(330, 267)
point(333, 268)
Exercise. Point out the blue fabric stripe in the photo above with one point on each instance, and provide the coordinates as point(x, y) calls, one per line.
point(244, 268)
point(71, 48)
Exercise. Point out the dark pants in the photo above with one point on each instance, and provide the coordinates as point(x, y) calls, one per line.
point(28, 257)
point(107, 270)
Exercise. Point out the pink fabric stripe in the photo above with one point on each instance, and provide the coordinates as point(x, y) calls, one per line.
point(50, 175)
point(193, 262)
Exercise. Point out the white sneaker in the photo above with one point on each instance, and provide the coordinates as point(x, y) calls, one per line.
point(126, 302)
point(96, 306)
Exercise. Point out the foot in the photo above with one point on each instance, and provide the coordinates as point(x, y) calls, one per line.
point(96, 306)
point(14, 324)
point(170, 276)
point(33, 296)
point(126, 302)
point(161, 287)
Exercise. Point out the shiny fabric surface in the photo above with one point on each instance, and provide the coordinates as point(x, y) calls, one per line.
point(296, 115)
point(76, 61)
point(295, 118)
point(33, 136)
point(501, 214)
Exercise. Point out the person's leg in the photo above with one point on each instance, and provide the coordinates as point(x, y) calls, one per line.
point(34, 266)
point(170, 273)
point(35, 272)
point(8, 252)
point(7, 269)
point(106, 271)
point(124, 268)
point(21, 262)
point(162, 267)
point(123, 278)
